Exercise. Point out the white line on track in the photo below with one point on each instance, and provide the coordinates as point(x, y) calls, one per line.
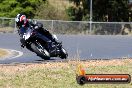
point(19, 53)
point(12, 54)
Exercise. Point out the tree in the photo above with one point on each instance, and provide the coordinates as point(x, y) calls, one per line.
point(118, 10)
point(9, 8)
point(75, 13)
point(79, 11)
point(103, 10)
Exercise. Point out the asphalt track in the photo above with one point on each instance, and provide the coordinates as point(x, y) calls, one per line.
point(82, 46)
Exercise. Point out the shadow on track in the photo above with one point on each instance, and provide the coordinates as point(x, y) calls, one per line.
point(45, 60)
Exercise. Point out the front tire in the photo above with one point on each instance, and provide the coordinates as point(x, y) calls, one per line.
point(40, 51)
point(63, 54)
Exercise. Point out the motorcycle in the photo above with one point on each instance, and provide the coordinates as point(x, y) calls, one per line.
point(38, 43)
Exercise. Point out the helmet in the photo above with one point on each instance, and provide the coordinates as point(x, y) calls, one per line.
point(21, 20)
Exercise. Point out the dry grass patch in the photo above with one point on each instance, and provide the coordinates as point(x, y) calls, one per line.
point(12, 68)
point(61, 74)
point(60, 3)
point(6, 29)
point(3, 53)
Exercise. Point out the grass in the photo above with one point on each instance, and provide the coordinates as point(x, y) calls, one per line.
point(64, 4)
point(60, 74)
point(6, 29)
point(60, 3)
point(3, 53)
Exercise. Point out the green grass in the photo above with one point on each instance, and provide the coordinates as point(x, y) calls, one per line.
point(57, 75)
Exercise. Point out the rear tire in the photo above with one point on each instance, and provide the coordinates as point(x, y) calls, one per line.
point(43, 53)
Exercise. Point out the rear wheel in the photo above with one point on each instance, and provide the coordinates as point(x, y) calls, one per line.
point(63, 54)
point(40, 51)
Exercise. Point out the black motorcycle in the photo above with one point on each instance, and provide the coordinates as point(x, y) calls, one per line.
point(37, 41)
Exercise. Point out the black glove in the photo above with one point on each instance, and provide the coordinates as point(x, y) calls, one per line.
point(23, 42)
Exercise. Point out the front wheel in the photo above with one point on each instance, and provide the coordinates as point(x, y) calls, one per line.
point(40, 51)
point(63, 54)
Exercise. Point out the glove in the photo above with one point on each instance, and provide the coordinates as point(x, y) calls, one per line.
point(36, 27)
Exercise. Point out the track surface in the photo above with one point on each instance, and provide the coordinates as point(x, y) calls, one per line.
point(84, 46)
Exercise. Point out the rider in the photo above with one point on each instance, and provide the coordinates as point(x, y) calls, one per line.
point(23, 24)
